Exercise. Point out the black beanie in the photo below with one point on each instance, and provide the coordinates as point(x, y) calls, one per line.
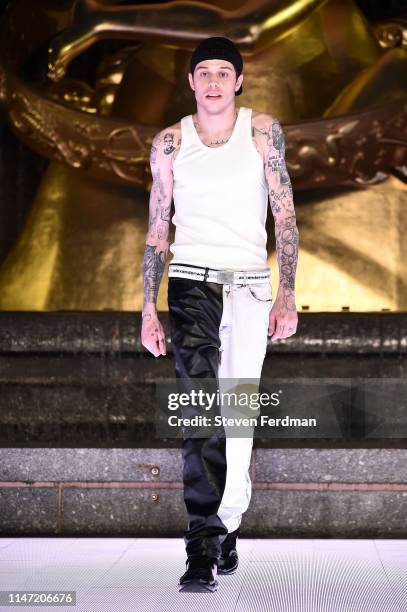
point(218, 47)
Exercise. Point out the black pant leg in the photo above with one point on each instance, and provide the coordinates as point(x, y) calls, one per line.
point(195, 312)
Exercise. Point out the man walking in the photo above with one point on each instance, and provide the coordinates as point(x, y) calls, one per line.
point(221, 166)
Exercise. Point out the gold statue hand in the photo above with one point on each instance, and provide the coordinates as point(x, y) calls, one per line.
point(253, 26)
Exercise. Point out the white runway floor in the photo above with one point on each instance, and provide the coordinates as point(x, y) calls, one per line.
point(275, 575)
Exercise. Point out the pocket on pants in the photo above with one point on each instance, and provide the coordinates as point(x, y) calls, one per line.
point(260, 292)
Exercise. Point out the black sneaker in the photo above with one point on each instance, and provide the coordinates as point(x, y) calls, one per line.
point(229, 559)
point(200, 575)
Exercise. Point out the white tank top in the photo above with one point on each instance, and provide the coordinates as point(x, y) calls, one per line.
point(220, 199)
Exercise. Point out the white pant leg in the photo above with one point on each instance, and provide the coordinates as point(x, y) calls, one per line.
point(243, 334)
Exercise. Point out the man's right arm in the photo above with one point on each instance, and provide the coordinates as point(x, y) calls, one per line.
point(157, 241)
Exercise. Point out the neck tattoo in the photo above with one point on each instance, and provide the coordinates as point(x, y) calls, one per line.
point(222, 140)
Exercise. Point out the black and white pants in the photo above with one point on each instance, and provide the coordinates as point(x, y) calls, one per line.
point(217, 331)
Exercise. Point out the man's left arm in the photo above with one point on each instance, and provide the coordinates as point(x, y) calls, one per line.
point(283, 316)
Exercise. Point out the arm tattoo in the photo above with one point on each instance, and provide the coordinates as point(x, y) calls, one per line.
point(153, 269)
point(153, 156)
point(154, 149)
point(169, 143)
point(287, 251)
point(282, 206)
point(160, 217)
point(157, 244)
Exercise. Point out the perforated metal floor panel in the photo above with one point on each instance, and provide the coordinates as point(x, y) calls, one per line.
point(275, 575)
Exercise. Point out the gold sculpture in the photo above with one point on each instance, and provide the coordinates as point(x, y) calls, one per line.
point(337, 83)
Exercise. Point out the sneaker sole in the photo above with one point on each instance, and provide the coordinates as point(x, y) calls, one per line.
point(231, 570)
point(226, 572)
point(197, 586)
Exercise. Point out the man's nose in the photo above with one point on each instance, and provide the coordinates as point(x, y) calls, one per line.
point(214, 81)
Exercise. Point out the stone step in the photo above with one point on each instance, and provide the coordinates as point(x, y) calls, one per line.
point(138, 492)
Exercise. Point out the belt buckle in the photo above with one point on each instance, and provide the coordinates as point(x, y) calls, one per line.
point(226, 276)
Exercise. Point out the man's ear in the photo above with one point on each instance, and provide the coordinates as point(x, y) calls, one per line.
point(191, 81)
point(239, 82)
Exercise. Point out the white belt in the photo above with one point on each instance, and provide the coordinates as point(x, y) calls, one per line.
point(228, 277)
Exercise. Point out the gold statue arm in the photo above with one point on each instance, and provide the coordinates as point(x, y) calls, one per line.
point(183, 23)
